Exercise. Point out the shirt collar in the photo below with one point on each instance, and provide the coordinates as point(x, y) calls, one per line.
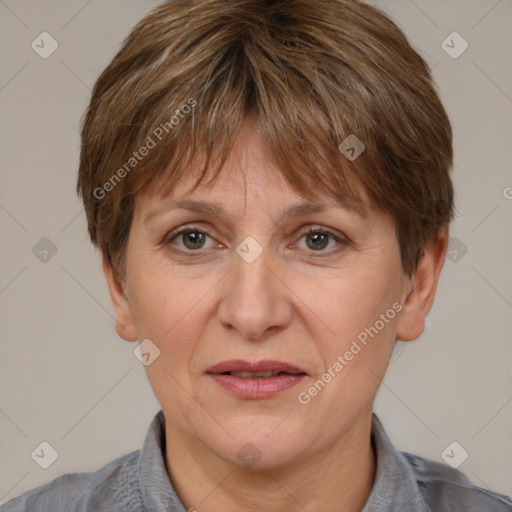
point(395, 488)
point(156, 487)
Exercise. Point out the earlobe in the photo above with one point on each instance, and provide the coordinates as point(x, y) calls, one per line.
point(125, 327)
point(422, 289)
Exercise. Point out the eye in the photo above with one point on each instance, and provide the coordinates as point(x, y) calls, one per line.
point(191, 238)
point(317, 239)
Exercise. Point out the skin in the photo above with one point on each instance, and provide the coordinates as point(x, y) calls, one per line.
point(294, 303)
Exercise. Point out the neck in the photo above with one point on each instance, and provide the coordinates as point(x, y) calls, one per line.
point(338, 479)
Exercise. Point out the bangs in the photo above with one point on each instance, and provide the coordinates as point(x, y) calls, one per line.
point(197, 128)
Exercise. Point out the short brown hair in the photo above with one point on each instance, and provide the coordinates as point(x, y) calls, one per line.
point(312, 71)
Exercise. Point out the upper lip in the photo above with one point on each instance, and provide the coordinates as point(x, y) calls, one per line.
point(239, 365)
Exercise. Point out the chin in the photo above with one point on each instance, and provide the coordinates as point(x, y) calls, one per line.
point(261, 444)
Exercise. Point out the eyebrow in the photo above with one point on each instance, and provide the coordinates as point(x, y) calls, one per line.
point(216, 209)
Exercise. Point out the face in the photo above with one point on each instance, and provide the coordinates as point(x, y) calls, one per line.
point(249, 284)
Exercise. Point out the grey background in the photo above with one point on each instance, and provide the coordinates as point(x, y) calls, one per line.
point(67, 379)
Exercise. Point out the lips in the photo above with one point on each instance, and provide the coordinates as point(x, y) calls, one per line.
point(255, 380)
point(247, 369)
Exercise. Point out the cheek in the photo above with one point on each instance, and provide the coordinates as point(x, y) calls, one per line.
point(346, 305)
point(165, 309)
point(159, 299)
point(362, 321)
point(171, 311)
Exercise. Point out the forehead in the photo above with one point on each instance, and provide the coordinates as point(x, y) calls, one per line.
point(248, 178)
point(233, 193)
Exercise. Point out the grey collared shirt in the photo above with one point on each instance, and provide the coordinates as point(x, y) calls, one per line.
point(138, 482)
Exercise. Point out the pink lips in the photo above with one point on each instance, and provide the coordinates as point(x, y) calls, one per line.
point(263, 387)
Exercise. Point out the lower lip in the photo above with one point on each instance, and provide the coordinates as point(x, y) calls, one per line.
point(256, 388)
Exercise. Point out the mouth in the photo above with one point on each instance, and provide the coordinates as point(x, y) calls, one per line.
point(259, 375)
point(255, 380)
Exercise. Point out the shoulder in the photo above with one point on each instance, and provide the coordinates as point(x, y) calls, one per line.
point(114, 487)
point(446, 488)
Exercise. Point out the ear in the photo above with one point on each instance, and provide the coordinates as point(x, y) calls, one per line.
point(125, 327)
point(423, 284)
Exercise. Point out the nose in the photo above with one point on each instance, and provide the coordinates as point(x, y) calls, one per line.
point(255, 298)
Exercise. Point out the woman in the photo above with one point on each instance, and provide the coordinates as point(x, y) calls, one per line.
point(268, 183)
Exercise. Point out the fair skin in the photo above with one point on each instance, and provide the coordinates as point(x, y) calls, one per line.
point(294, 303)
